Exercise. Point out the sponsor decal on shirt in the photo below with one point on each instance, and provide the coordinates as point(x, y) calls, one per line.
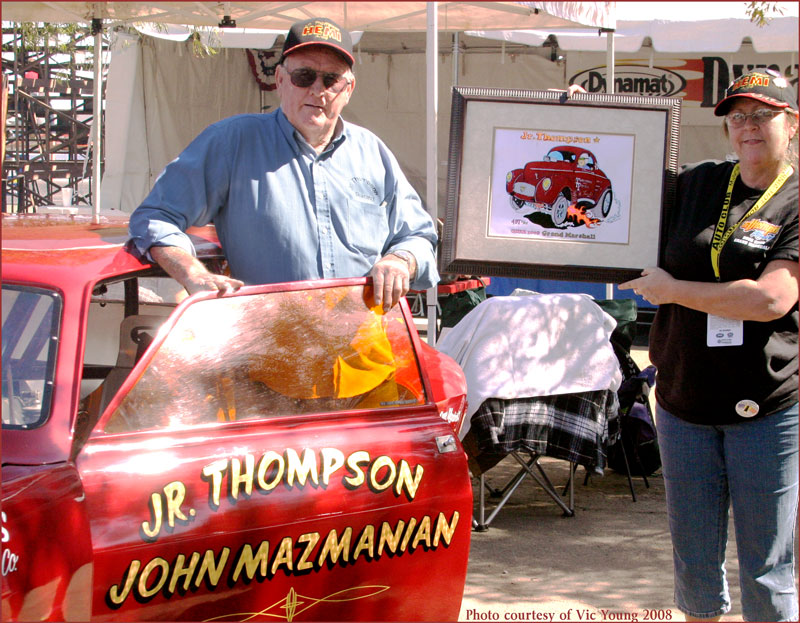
point(758, 234)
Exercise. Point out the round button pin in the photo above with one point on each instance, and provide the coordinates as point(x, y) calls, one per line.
point(747, 408)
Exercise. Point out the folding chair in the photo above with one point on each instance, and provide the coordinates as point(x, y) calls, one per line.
point(570, 427)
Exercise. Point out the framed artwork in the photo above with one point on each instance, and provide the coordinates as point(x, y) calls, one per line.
point(544, 186)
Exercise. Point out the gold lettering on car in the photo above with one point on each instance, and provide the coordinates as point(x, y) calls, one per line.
point(180, 570)
point(144, 579)
point(215, 471)
point(238, 477)
point(445, 530)
point(353, 464)
point(406, 481)
point(116, 597)
point(310, 539)
point(269, 459)
point(366, 543)
point(212, 568)
point(174, 493)
point(423, 533)
point(392, 539)
point(241, 476)
point(391, 472)
point(332, 461)
point(251, 563)
point(138, 580)
point(284, 556)
point(334, 548)
point(159, 576)
point(301, 468)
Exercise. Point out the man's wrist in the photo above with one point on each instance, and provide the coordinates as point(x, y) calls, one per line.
point(408, 258)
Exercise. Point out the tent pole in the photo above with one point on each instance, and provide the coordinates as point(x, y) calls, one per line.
point(432, 106)
point(609, 89)
point(455, 59)
point(609, 59)
point(97, 122)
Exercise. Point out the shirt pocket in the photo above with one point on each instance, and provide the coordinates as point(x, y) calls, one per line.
point(367, 227)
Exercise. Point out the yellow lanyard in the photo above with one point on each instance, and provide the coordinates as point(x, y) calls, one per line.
point(720, 235)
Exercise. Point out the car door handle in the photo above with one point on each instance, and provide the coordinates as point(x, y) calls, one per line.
point(446, 443)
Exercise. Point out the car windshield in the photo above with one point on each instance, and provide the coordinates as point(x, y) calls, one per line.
point(273, 354)
point(560, 156)
point(31, 318)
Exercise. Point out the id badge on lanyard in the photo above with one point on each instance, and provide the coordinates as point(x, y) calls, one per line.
point(725, 331)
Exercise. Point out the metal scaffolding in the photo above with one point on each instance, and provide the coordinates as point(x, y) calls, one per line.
point(48, 125)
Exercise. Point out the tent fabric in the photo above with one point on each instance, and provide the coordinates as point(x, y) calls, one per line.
point(372, 16)
point(159, 97)
point(721, 35)
point(672, 27)
point(152, 117)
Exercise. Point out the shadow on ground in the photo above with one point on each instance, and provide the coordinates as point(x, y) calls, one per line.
point(612, 561)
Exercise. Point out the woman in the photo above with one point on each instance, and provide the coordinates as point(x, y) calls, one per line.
point(724, 341)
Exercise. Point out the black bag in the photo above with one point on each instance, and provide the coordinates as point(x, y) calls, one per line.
point(456, 306)
point(636, 422)
point(637, 428)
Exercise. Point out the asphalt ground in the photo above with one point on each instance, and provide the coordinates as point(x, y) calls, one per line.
point(611, 561)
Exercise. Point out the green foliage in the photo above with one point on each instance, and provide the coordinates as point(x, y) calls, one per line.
point(65, 37)
point(54, 37)
point(759, 12)
point(199, 49)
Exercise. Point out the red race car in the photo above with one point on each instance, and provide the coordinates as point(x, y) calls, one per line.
point(287, 452)
point(567, 176)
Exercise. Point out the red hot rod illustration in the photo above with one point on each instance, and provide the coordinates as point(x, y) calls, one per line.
point(567, 176)
point(285, 452)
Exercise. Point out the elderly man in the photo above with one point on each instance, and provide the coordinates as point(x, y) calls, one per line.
point(295, 194)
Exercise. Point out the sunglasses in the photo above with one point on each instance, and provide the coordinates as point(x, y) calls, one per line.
point(759, 117)
point(305, 77)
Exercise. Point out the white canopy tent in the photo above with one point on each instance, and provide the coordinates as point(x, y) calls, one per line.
point(430, 17)
point(674, 27)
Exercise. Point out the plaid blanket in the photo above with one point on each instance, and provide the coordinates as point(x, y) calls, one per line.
point(574, 427)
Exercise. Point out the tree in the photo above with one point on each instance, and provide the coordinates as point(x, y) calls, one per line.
point(759, 12)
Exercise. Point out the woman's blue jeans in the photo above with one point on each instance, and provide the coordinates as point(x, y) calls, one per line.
point(751, 467)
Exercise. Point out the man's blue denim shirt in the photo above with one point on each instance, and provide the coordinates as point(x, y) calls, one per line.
point(284, 213)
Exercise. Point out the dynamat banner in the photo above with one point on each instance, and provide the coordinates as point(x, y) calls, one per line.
point(700, 80)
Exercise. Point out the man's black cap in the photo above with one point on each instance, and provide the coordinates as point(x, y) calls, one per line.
point(318, 31)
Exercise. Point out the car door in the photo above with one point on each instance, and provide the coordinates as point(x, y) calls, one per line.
point(277, 455)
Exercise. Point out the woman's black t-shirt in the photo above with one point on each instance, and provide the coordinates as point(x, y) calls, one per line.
point(703, 384)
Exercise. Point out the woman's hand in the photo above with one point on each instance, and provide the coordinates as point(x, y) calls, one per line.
point(767, 298)
point(656, 285)
point(575, 88)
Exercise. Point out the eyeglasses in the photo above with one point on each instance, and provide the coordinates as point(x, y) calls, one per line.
point(305, 77)
point(759, 117)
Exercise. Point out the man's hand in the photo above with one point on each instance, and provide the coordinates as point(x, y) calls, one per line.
point(391, 276)
point(191, 273)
